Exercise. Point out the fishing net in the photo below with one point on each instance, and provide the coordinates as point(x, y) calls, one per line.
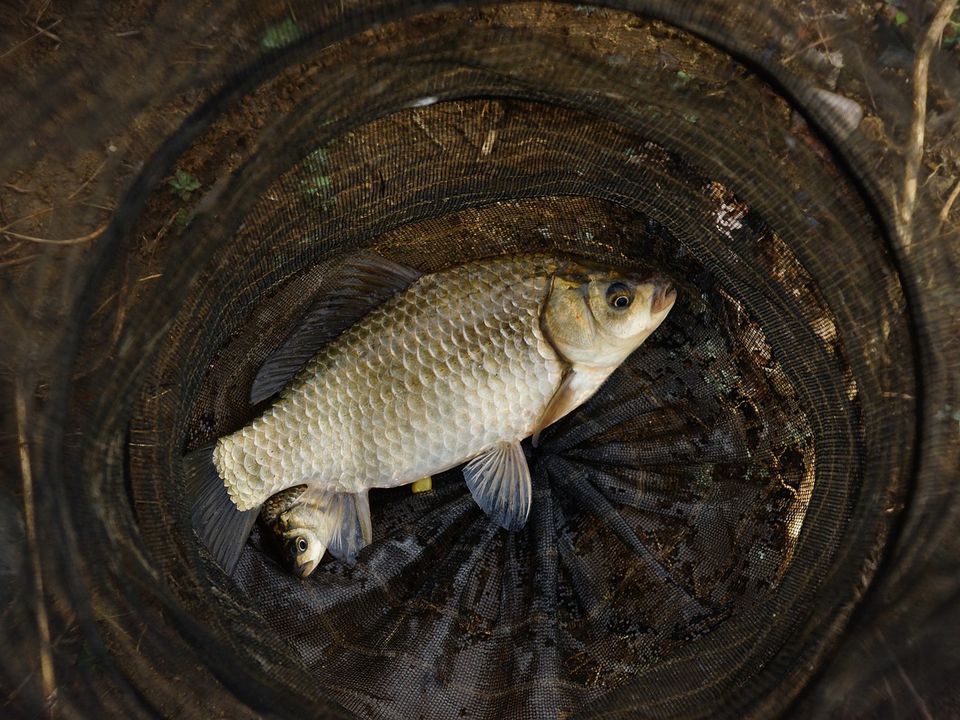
point(754, 516)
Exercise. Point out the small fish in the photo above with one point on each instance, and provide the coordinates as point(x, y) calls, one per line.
point(452, 367)
point(304, 523)
point(301, 524)
point(276, 528)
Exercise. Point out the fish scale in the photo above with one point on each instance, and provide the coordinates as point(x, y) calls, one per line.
point(454, 364)
point(450, 368)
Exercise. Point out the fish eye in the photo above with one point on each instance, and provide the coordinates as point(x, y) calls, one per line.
point(618, 295)
point(301, 545)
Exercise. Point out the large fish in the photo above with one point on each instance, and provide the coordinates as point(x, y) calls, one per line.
point(454, 367)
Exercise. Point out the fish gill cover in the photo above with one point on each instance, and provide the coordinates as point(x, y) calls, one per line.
point(755, 516)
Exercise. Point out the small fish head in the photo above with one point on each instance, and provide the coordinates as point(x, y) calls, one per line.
point(598, 317)
point(304, 538)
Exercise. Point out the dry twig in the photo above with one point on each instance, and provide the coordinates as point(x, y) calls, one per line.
point(921, 69)
point(47, 678)
point(948, 205)
point(86, 182)
point(40, 31)
point(24, 218)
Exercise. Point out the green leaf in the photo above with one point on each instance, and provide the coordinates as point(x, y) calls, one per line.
point(183, 184)
point(283, 33)
point(317, 158)
point(316, 186)
point(187, 181)
point(685, 76)
point(900, 18)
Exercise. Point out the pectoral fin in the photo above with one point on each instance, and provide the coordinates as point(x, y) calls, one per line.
point(351, 529)
point(499, 480)
point(559, 405)
point(578, 385)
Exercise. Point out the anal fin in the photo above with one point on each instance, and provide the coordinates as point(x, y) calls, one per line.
point(363, 516)
point(499, 480)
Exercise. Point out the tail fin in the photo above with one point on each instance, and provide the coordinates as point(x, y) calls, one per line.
point(221, 526)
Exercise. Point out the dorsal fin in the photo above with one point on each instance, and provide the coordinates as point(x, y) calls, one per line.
point(361, 283)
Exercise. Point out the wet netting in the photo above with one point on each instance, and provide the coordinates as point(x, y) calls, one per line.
point(747, 520)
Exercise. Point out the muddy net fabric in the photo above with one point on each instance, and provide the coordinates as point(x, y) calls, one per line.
point(754, 517)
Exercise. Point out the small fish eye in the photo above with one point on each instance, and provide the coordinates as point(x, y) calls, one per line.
point(618, 295)
point(301, 545)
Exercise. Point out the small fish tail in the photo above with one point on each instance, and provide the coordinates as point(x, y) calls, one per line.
point(222, 527)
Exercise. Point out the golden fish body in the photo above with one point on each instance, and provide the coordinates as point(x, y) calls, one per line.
point(455, 364)
point(458, 367)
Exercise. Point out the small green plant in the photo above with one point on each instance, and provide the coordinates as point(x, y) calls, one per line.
point(183, 184)
point(952, 35)
point(280, 34)
point(89, 660)
point(900, 18)
point(317, 158)
point(316, 186)
point(684, 76)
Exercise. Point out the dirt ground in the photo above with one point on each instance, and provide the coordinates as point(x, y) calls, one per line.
point(66, 182)
point(67, 174)
point(90, 94)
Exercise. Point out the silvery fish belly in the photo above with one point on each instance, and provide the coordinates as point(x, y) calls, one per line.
point(453, 367)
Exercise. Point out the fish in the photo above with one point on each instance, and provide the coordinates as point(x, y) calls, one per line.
point(274, 523)
point(450, 368)
point(302, 522)
point(296, 522)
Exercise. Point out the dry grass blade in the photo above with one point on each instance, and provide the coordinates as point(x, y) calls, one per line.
point(67, 241)
point(31, 216)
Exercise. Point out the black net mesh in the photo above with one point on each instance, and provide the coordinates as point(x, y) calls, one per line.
point(704, 530)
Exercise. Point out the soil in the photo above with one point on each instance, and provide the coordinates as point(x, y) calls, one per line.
point(96, 92)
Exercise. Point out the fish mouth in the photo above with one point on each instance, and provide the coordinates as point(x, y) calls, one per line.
point(664, 295)
point(304, 570)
